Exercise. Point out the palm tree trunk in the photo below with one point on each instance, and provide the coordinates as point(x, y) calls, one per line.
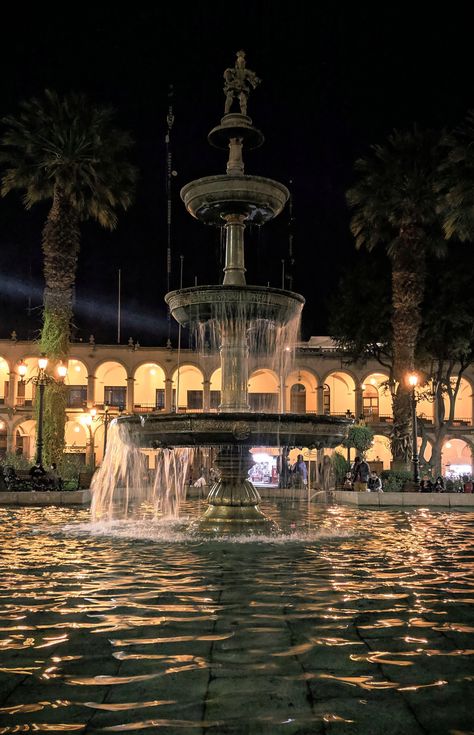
point(60, 250)
point(408, 280)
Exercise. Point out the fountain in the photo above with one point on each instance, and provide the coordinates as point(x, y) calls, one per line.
point(239, 319)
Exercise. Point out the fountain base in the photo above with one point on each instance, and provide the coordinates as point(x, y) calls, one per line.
point(233, 500)
point(231, 520)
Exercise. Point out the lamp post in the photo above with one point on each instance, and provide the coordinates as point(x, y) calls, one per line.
point(104, 419)
point(40, 380)
point(413, 382)
point(87, 419)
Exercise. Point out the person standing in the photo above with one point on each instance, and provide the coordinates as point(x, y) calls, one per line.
point(300, 472)
point(360, 474)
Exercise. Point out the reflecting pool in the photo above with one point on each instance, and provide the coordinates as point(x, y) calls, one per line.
point(352, 622)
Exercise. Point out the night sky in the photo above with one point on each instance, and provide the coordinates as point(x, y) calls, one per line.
point(335, 80)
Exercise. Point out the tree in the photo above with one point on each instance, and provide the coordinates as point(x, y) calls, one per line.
point(360, 437)
point(457, 182)
point(67, 151)
point(446, 337)
point(395, 205)
point(360, 311)
point(446, 346)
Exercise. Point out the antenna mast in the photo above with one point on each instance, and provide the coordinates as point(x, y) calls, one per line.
point(291, 260)
point(169, 175)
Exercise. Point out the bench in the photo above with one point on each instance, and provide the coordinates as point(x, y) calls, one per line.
point(21, 480)
point(84, 480)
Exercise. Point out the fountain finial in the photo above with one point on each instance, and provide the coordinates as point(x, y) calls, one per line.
point(238, 83)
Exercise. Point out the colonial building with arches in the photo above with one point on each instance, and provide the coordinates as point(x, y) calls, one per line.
point(132, 379)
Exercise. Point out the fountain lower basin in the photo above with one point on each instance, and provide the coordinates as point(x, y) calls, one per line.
point(233, 502)
point(156, 430)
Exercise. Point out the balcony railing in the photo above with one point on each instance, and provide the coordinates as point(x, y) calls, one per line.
point(146, 408)
point(22, 402)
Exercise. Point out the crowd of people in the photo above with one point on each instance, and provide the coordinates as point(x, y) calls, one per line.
point(362, 479)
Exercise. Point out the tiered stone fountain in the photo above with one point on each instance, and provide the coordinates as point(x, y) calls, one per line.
point(234, 309)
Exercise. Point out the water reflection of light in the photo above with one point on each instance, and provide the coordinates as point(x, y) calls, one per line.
point(378, 600)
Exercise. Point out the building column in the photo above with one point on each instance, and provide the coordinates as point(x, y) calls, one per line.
point(10, 438)
point(359, 403)
point(130, 394)
point(206, 395)
point(282, 390)
point(320, 399)
point(168, 395)
point(91, 397)
point(10, 400)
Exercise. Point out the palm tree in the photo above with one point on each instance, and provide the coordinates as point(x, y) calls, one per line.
point(457, 182)
point(67, 151)
point(395, 205)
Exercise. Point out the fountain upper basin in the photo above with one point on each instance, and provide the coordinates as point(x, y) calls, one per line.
point(201, 303)
point(211, 198)
point(239, 429)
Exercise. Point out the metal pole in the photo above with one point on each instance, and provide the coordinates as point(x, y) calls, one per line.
point(416, 473)
point(179, 340)
point(169, 175)
point(119, 305)
point(106, 425)
point(39, 440)
point(91, 448)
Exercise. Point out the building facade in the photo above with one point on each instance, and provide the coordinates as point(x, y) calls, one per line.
point(129, 378)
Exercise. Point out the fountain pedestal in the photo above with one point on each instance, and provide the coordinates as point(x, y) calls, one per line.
point(233, 500)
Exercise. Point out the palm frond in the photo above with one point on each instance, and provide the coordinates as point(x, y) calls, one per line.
point(70, 143)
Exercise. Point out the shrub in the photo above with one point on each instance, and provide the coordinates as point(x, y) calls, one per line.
point(360, 437)
point(17, 461)
point(70, 466)
point(393, 481)
point(340, 467)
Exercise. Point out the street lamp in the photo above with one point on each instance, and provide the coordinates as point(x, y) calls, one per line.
point(40, 380)
point(103, 418)
point(87, 419)
point(413, 382)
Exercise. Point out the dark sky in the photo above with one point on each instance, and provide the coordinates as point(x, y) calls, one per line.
point(335, 79)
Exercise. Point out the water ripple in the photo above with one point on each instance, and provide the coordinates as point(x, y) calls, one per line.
point(346, 618)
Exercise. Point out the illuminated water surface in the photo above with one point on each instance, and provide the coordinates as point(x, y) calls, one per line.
point(354, 622)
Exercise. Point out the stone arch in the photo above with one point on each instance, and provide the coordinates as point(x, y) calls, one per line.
point(264, 391)
point(76, 438)
point(376, 398)
point(76, 381)
point(309, 381)
point(463, 405)
point(149, 386)
point(380, 452)
point(188, 387)
point(215, 387)
point(111, 383)
point(77, 372)
point(340, 387)
point(25, 438)
point(457, 457)
point(4, 379)
point(25, 390)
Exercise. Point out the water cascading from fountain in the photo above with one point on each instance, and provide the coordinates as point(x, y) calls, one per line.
point(124, 487)
point(247, 325)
